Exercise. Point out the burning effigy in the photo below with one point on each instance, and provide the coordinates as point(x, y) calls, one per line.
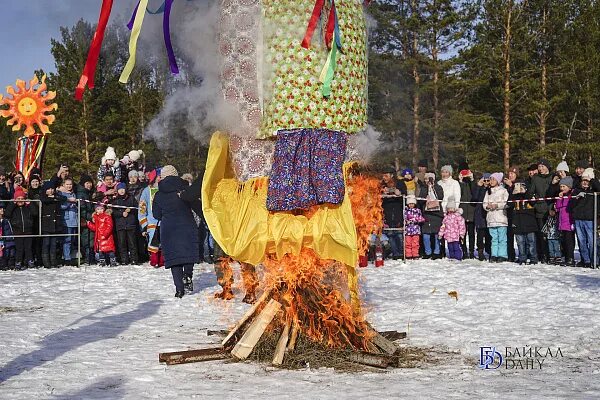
point(280, 187)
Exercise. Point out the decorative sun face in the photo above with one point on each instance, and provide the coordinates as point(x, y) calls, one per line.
point(27, 106)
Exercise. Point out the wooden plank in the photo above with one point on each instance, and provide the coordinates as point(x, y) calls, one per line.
point(246, 344)
point(393, 335)
point(218, 332)
point(190, 356)
point(371, 359)
point(281, 344)
point(246, 316)
point(295, 330)
point(385, 345)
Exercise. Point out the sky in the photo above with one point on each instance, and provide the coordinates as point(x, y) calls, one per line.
point(28, 25)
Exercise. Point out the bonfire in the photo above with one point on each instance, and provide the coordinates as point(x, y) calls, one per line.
point(309, 312)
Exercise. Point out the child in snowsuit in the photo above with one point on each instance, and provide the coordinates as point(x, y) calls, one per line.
point(126, 223)
point(104, 243)
point(524, 224)
point(109, 164)
point(566, 224)
point(413, 218)
point(494, 203)
point(22, 215)
point(552, 235)
point(7, 243)
point(453, 229)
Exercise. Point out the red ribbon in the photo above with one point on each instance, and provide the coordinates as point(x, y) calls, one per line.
point(89, 71)
point(330, 26)
point(312, 23)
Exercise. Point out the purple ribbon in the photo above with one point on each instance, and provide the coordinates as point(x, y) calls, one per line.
point(167, 34)
point(166, 8)
point(130, 23)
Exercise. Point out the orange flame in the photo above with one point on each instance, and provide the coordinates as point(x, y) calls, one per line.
point(367, 211)
point(311, 290)
point(315, 292)
point(27, 106)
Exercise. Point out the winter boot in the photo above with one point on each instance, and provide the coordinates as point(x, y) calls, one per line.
point(188, 284)
point(113, 262)
point(31, 264)
point(46, 260)
point(53, 261)
point(154, 260)
point(179, 294)
point(102, 262)
point(480, 255)
point(19, 267)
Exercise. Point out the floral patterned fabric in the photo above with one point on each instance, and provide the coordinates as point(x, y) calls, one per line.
point(413, 217)
point(453, 227)
point(307, 169)
point(291, 87)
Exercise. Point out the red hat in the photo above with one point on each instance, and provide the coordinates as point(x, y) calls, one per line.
point(465, 172)
point(19, 192)
point(152, 176)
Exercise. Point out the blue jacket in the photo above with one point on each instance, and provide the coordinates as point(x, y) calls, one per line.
point(178, 231)
point(69, 210)
point(6, 230)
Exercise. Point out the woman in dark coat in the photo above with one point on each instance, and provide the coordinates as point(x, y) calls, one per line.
point(178, 230)
point(52, 224)
point(484, 240)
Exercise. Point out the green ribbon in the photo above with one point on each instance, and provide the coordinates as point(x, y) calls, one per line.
point(328, 70)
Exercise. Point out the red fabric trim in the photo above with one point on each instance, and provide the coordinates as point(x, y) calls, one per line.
point(312, 23)
point(89, 71)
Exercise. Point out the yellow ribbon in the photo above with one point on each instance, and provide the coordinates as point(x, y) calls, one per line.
point(135, 34)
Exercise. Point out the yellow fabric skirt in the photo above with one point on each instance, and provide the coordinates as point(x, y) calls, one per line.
point(239, 221)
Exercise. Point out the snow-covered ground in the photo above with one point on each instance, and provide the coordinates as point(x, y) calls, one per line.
point(95, 333)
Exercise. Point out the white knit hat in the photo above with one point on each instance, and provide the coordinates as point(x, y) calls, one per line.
point(562, 166)
point(135, 155)
point(411, 199)
point(588, 174)
point(168, 170)
point(447, 168)
point(110, 154)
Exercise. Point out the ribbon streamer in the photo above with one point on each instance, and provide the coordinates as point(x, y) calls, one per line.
point(165, 8)
point(167, 34)
point(328, 71)
point(312, 23)
point(30, 153)
point(135, 34)
point(132, 19)
point(89, 71)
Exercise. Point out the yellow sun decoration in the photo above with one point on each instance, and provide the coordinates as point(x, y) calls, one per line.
point(28, 106)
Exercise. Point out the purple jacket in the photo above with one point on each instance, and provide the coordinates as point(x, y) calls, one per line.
point(413, 217)
point(565, 219)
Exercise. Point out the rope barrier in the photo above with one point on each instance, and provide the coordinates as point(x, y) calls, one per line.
point(108, 204)
point(580, 195)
